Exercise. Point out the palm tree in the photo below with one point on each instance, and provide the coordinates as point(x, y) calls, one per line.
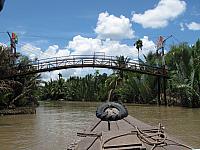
point(196, 63)
point(4, 54)
point(139, 46)
point(136, 89)
point(185, 73)
point(16, 91)
point(153, 82)
point(25, 94)
point(121, 62)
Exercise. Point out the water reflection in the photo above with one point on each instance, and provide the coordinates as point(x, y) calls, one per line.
point(55, 124)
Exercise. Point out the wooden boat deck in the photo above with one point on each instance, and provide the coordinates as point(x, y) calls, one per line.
point(123, 135)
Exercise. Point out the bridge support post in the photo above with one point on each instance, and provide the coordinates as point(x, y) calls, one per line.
point(38, 65)
point(158, 102)
point(164, 88)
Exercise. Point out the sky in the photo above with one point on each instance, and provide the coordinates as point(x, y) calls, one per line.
point(66, 27)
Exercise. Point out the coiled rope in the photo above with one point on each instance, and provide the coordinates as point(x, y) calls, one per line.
point(157, 142)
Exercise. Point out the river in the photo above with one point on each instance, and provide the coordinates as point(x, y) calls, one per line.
point(55, 124)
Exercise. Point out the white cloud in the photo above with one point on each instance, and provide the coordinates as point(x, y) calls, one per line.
point(112, 27)
point(110, 31)
point(159, 17)
point(3, 45)
point(148, 45)
point(81, 45)
point(182, 26)
point(193, 26)
point(54, 74)
point(55, 51)
point(85, 46)
point(31, 51)
point(34, 52)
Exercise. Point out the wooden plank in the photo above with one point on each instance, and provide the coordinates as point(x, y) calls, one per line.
point(137, 123)
point(89, 143)
point(124, 126)
point(129, 141)
point(120, 139)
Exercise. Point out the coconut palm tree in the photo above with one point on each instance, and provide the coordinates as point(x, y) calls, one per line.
point(186, 74)
point(14, 91)
point(196, 64)
point(115, 80)
point(121, 62)
point(139, 46)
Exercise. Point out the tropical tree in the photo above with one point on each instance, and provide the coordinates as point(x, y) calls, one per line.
point(184, 72)
point(196, 64)
point(182, 60)
point(14, 92)
point(121, 62)
point(139, 46)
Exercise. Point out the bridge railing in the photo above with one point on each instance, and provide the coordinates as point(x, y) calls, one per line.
point(74, 61)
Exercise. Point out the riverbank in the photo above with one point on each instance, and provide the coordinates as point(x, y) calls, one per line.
point(18, 110)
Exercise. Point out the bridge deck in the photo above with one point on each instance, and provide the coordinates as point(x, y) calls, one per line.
point(82, 61)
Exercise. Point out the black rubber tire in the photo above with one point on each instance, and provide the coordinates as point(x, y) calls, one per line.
point(103, 115)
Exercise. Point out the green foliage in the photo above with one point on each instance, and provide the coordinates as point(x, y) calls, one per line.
point(183, 87)
point(88, 88)
point(138, 44)
point(5, 98)
point(20, 90)
point(183, 62)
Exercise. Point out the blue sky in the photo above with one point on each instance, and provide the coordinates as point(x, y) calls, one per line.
point(62, 27)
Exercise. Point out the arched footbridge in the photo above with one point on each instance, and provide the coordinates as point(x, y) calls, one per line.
point(82, 61)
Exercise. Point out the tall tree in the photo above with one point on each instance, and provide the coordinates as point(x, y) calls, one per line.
point(15, 91)
point(139, 46)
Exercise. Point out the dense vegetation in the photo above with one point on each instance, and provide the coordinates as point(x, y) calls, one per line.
point(19, 91)
point(184, 63)
point(183, 87)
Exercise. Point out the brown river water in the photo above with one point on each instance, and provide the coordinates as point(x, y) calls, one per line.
point(55, 124)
